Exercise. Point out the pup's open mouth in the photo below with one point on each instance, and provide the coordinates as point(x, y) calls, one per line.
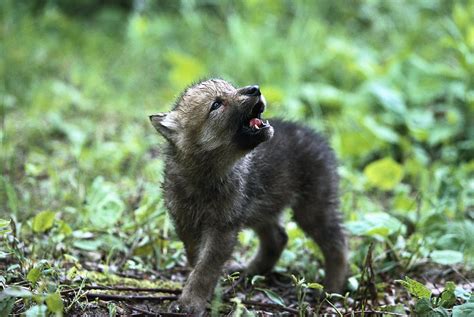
point(255, 121)
point(253, 130)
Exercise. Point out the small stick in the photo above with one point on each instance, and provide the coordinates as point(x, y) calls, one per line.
point(270, 305)
point(129, 297)
point(125, 288)
point(374, 312)
point(152, 313)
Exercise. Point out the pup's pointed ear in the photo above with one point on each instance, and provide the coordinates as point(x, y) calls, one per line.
point(166, 124)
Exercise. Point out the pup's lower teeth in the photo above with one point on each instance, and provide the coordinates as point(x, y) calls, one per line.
point(255, 122)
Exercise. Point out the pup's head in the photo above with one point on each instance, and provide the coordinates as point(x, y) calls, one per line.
point(214, 115)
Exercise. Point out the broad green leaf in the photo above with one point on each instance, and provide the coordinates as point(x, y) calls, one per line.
point(353, 283)
point(16, 291)
point(36, 311)
point(462, 293)
point(384, 174)
point(389, 98)
point(356, 143)
point(440, 311)
point(43, 221)
point(65, 229)
point(446, 257)
point(6, 305)
point(377, 225)
point(104, 205)
point(381, 131)
point(420, 123)
point(88, 245)
point(464, 310)
point(145, 249)
point(33, 275)
point(55, 303)
point(424, 308)
point(274, 297)
point(448, 297)
point(416, 288)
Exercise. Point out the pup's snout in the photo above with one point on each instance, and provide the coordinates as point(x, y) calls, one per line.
point(253, 90)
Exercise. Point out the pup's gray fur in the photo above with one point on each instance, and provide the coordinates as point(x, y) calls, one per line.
point(223, 174)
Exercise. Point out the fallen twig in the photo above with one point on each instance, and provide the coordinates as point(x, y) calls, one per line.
point(364, 312)
point(270, 305)
point(122, 298)
point(151, 313)
point(128, 297)
point(124, 288)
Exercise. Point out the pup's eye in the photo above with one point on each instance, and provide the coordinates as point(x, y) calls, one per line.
point(216, 105)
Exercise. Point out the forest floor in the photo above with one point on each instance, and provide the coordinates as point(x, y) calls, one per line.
point(88, 289)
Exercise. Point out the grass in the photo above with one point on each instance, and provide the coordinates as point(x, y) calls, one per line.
point(390, 83)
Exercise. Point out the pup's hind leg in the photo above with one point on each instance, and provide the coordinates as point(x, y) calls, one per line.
point(322, 222)
point(273, 238)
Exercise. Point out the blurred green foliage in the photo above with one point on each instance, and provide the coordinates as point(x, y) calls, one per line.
point(390, 82)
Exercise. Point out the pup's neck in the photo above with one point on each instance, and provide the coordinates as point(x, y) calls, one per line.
point(216, 165)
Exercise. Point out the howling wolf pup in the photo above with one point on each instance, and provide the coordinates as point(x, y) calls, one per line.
point(228, 169)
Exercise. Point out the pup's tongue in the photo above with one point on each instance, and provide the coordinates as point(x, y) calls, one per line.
point(255, 123)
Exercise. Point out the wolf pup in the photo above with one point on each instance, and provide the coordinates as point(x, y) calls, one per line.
point(227, 169)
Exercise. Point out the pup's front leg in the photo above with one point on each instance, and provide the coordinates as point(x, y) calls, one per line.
point(216, 247)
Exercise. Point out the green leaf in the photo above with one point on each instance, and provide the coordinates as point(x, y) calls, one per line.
point(440, 311)
point(43, 221)
point(12, 198)
point(380, 131)
point(16, 291)
point(6, 305)
point(4, 226)
point(450, 287)
point(446, 257)
point(389, 98)
point(398, 308)
point(65, 229)
point(88, 245)
point(377, 225)
point(315, 286)
point(464, 310)
point(448, 297)
point(104, 205)
point(256, 279)
point(416, 288)
point(423, 307)
point(274, 297)
point(34, 274)
point(36, 311)
point(55, 303)
point(462, 293)
point(384, 174)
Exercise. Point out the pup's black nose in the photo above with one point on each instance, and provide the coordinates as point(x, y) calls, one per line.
point(251, 90)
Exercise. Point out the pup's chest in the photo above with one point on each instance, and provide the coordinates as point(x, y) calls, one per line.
point(202, 201)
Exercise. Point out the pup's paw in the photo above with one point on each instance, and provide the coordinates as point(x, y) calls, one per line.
point(188, 306)
point(235, 267)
